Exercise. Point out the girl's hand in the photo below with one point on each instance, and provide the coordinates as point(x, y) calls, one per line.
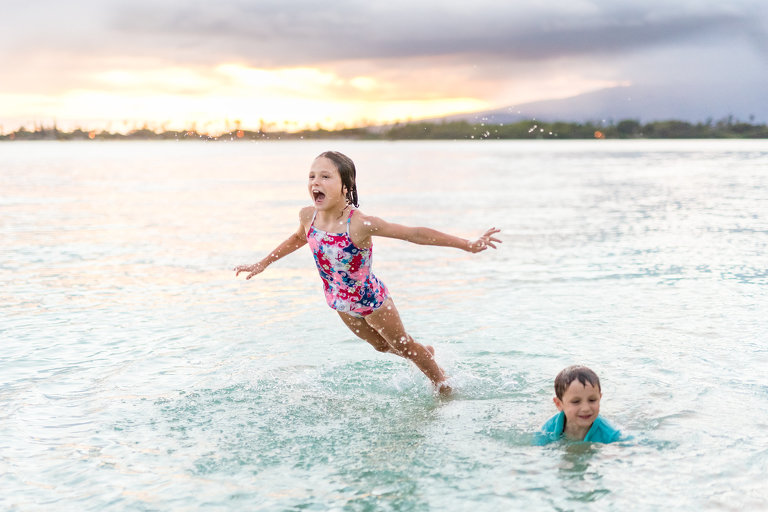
point(485, 241)
point(256, 268)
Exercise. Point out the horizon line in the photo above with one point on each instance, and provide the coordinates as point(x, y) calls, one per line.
point(430, 129)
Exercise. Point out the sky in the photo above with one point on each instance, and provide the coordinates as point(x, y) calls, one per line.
point(295, 64)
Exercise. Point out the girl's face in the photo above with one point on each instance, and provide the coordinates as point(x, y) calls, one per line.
point(325, 187)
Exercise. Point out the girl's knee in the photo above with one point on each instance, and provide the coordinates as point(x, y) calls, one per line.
point(378, 343)
point(404, 342)
point(412, 350)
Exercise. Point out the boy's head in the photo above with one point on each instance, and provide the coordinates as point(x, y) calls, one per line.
point(578, 396)
point(572, 373)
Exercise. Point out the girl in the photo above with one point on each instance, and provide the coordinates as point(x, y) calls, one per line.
point(340, 237)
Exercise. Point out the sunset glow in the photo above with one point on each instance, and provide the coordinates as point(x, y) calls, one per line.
point(216, 99)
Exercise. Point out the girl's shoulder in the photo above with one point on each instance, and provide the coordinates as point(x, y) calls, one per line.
point(365, 226)
point(305, 218)
point(306, 213)
point(371, 222)
point(363, 217)
point(361, 220)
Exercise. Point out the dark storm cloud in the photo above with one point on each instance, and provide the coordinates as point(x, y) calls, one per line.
point(303, 32)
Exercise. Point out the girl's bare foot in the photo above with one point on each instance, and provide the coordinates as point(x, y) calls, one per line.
point(442, 388)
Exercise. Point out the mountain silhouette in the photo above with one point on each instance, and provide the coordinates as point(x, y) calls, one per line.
point(644, 104)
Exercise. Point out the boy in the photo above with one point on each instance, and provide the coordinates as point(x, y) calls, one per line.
point(578, 400)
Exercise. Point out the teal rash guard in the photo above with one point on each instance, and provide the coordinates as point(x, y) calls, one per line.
point(600, 432)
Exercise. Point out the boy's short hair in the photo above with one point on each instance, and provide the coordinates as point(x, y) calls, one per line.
point(570, 374)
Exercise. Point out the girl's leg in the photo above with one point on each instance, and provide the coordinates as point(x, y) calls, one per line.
point(386, 321)
point(365, 332)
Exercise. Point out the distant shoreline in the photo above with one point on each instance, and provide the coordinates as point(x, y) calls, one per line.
point(447, 130)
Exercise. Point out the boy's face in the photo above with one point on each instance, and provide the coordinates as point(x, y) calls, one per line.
point(580, 403)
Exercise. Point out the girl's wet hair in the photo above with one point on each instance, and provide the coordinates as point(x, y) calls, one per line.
point(346, 168)
point(570, 374)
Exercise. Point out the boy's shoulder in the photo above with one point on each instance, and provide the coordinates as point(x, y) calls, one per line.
point(551, 431)
point(602, 431)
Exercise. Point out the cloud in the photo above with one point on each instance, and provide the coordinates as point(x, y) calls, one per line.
point(449, 53)
point(303, 32)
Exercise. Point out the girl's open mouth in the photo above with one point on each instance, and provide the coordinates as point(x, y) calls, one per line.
point(317, 195)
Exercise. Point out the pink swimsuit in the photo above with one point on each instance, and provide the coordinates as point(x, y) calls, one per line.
point(345, 269)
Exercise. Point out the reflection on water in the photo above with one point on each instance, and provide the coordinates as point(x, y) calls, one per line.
point(137, 373)
point(582, 483)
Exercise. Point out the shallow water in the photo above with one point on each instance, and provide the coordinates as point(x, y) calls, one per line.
point(138, 374)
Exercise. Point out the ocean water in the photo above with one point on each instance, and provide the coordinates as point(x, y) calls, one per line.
point(136, 372)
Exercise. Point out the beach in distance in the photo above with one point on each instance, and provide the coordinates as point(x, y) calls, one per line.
point(138, 374)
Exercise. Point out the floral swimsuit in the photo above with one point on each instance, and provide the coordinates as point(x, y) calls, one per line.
point(345, 269)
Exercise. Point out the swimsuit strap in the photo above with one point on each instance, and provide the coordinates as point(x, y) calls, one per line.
point(349, 219)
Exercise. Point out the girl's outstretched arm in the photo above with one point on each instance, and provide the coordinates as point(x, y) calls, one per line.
point(374, 226)
point(292, 243)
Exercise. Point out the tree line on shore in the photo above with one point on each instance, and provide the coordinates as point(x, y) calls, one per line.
point(445, 130)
